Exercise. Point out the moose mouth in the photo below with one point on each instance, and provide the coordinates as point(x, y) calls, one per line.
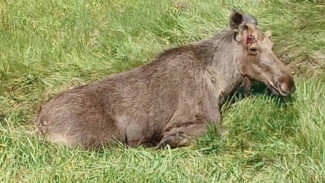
point(276, 89)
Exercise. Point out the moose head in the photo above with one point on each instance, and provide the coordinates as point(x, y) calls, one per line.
point(257, 60)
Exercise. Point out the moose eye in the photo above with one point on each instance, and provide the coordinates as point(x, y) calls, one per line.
point(252, 51)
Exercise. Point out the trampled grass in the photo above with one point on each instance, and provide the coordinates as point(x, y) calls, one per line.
point(50, 46)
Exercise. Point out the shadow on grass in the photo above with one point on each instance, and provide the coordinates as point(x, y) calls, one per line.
point(258, 89)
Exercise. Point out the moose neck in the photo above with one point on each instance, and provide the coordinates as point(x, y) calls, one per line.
point(221, 53)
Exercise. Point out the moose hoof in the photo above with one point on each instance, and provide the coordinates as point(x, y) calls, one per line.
point(179, 139)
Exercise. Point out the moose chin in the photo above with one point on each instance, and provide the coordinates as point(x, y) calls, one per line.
point(171, 100)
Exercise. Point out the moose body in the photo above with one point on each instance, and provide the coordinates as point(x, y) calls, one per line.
point(169, 101)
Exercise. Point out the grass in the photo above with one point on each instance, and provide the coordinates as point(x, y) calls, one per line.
point(50, 46)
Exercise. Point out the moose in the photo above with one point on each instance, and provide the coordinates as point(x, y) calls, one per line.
point(171, 100)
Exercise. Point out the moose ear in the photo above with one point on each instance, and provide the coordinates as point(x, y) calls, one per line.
point(268, 34)
point(236, 18)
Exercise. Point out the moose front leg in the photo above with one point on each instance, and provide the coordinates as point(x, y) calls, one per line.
point(183, 135)
point(190, 122)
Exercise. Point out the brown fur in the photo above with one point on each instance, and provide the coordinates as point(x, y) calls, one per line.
point(166, 102)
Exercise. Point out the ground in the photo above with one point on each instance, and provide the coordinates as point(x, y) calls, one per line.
point(47, 47)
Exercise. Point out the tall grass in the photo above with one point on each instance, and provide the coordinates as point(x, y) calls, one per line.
point(50, 46)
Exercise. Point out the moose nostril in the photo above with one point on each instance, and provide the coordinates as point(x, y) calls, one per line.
point(293, 87)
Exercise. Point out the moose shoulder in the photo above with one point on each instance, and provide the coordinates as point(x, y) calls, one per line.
point(170, 100)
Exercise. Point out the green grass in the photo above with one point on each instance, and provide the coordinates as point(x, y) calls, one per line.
point(50, 46)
